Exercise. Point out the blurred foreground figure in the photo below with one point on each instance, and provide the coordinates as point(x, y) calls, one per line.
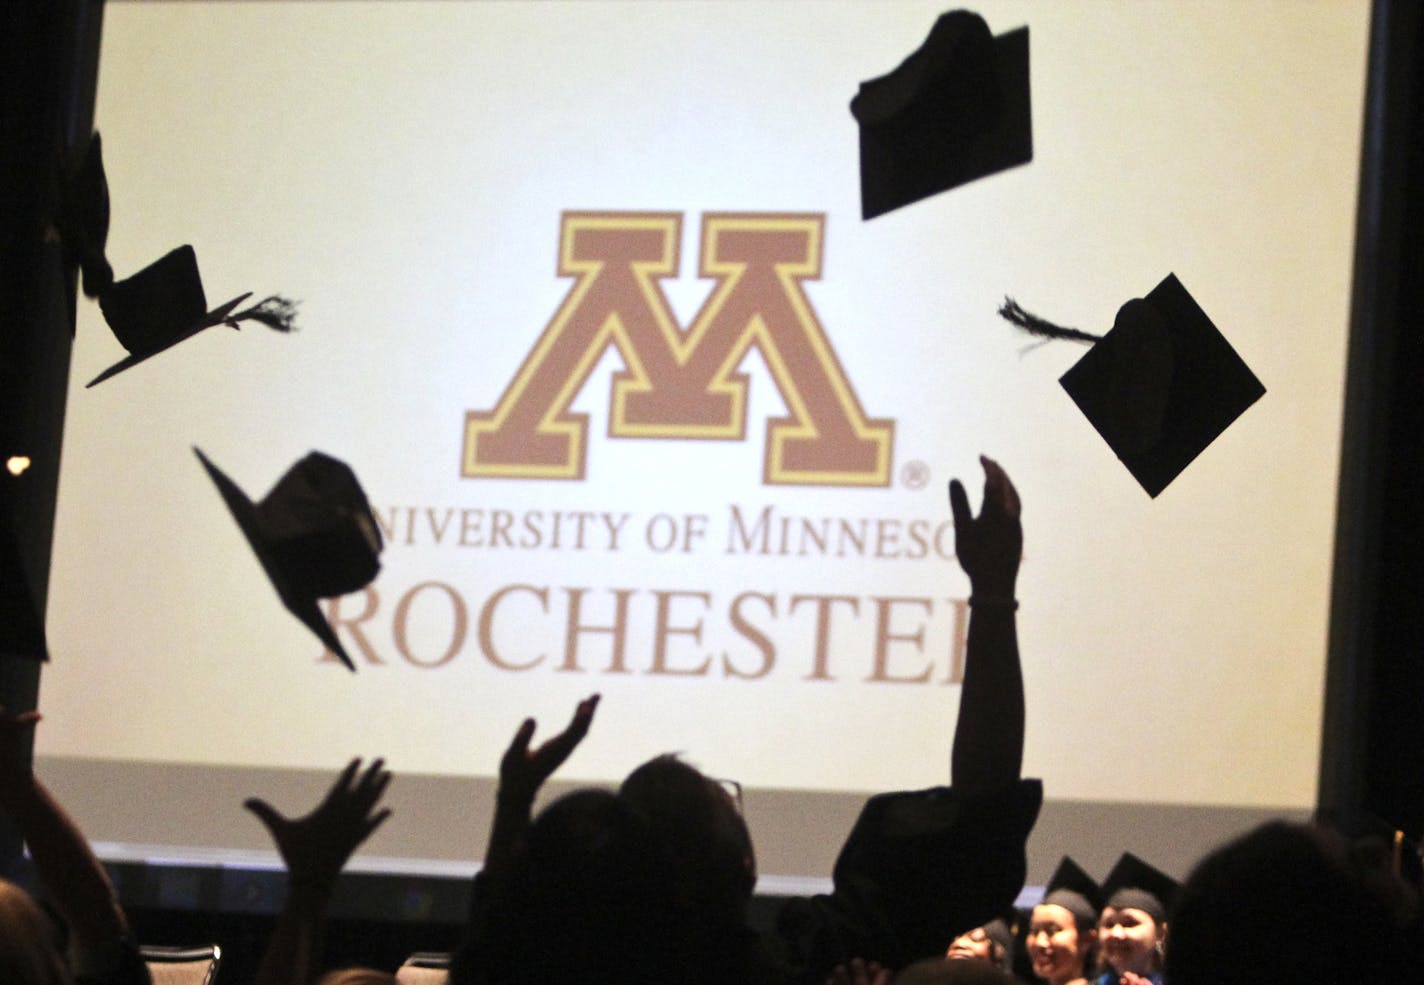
point(918, 868)
point(91, 943)
point(1282, 905)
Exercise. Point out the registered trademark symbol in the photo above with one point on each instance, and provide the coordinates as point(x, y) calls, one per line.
point(914, 474)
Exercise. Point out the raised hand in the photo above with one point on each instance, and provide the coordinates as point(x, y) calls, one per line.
point(314, 848)
point(990, 545)
point(987, 754)
point(522, 771)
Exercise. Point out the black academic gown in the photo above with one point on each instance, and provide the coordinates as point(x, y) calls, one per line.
point(919, 868)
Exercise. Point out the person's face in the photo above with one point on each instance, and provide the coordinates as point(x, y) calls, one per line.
point(974, 944)
point(1129, 937)
point(1055, 947)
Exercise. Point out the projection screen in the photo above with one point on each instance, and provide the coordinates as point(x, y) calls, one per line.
point(418, 174)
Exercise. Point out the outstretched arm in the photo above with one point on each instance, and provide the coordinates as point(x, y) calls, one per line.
point(988, 738)
point(76, 880)
point(314, 849)
point(522, 772)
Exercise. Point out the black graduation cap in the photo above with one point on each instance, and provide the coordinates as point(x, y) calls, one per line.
point(1160, 387)
point(1000, 930)
point(158, 307)
point(164, 304)
point(314, 534)
point(161, 305)
point(1073, 889)
point(1133, 884)
point(955, 110)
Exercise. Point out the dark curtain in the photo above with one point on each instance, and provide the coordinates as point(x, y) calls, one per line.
point(1372, 753)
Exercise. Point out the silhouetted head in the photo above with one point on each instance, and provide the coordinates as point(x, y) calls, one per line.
point(28, 942)
point(702, 828)
point(1279, 906)
point(586, 899)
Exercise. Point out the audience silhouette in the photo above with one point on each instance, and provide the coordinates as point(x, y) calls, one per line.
point(315, 849)
point(918, 867)
point(89, 943)
point(651, 884)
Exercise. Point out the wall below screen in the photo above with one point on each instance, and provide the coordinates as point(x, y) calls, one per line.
point(440, 826)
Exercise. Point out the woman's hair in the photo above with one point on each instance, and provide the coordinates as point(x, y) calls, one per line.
point(1001, 943)
point(28, 951)
point(707, 841)
point(588, 898)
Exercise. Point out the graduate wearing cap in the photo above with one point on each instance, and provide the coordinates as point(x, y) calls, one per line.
point(1062, 931)
point(993, 942)
point(1132, 931)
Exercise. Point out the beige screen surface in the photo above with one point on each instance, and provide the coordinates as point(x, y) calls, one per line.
point(420, 176)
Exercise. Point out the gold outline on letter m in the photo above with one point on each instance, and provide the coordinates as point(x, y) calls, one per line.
point(680, 383)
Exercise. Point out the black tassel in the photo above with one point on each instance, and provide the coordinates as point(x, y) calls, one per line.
point(1034, 325)
point(276, 312)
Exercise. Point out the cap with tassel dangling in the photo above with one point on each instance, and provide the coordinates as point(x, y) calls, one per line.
point(1160, 387)
point(164, 304)
point(161, 305)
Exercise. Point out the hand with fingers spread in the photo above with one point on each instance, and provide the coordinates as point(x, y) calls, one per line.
point(316, 847)
point(990, 545)
point(522, 771)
